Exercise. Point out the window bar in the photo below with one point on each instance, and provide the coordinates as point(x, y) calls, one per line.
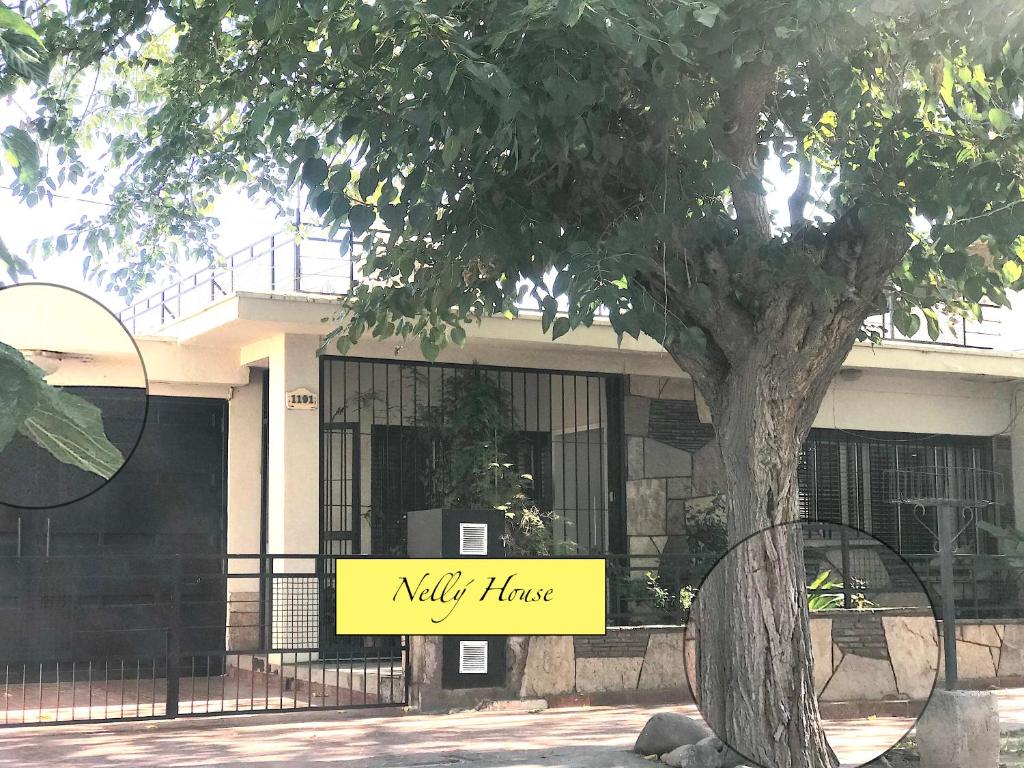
point(576, 456)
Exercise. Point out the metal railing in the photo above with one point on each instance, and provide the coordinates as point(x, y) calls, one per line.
point(954, 331)
point(285, 262)
point(861, 574)
point(290, 262)
point(87, 638)
point(654, 589)
point(956, 486)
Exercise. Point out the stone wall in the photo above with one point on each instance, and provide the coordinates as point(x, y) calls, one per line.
point(640, 664)
point(671, 467)
point(863, 656)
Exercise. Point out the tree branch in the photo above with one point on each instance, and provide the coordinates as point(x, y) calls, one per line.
point(801, 195)
point(742, 106)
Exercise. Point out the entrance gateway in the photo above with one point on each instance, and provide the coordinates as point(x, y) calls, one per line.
point(126, 604)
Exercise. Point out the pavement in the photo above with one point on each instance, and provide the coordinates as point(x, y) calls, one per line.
point(591, 737)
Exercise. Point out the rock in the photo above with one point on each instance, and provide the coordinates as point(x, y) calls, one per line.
point(550, 667)
point(637, 415)
point(645, 505)
point(821, 650)
point(667, 731)
point(1011, 658)
point(662, 460)
point(706, 753)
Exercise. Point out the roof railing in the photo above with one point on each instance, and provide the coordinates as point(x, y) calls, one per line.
point(292, 261)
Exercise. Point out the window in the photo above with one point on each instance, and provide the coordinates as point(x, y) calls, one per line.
point(843, 479)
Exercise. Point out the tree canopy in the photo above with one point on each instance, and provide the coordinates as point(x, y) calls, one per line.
point(614, 152)
point(616, 156)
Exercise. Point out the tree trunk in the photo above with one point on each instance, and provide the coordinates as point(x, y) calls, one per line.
point(755, 665)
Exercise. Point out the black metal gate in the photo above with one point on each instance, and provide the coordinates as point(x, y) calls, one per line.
point(187, 642)
point(104, 617)
point(386, 451)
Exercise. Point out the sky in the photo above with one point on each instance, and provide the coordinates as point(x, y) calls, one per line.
point(242, 222)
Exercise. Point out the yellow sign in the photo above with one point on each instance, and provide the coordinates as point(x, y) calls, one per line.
point(471, 596)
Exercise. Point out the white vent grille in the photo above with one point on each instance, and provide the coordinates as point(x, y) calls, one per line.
point(472, 657)
point(472, 538)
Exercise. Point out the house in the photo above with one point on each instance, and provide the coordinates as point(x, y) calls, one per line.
point(263, 460)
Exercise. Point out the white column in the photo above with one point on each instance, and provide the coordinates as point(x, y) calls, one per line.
point(293, 503)
point(245, 485)
point(293, 449)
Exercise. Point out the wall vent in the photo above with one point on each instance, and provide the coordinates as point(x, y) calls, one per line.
point(473, 539)
point(472, 657)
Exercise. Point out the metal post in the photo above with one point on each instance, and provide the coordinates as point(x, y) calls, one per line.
point(947, 530)
point(845, 548)
point(297, 249)
point(273, 280)
point(174, 641)
point(268, 604)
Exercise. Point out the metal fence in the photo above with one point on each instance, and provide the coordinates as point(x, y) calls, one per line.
point(283, 262)
point(654, 589)
point(843, 570)
point(106, 638)
point(301, 262)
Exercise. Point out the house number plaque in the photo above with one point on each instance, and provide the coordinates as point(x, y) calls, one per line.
point(302, 399)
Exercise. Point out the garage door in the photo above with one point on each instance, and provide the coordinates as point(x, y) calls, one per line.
point(88, 581)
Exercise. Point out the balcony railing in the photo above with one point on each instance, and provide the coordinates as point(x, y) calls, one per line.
point(287, 262)
point(281, 263)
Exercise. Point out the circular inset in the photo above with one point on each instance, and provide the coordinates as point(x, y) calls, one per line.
point(866, 662)
point(73, 395)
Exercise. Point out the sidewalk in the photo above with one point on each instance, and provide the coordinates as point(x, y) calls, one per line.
point(597, 737)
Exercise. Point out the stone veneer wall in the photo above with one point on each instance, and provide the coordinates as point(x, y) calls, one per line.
point(893, 655)
point(671, 466)
point(625, 665)
point(869, 656)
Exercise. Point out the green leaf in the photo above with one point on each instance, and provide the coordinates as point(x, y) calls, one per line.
point(1011, 272)
point(24, 56)
point(1000, 119)
point(20, 385)
point(560, 328)
point(314, 171)
point(368, 181)
point(21, 151)
point(12, 21)
point(429, 349)
point(459, 335)
point(570, 11)
point(906, 322)
point(15, 265)
point(340, 178)
point(360, 217)
point(71, 429)
point(706, 14)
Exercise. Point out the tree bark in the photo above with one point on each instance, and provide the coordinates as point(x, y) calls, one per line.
point(754, 661)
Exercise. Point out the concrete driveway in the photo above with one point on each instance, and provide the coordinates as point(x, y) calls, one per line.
point(595, 737)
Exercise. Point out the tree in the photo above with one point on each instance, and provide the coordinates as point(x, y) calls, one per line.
point(611, 153)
